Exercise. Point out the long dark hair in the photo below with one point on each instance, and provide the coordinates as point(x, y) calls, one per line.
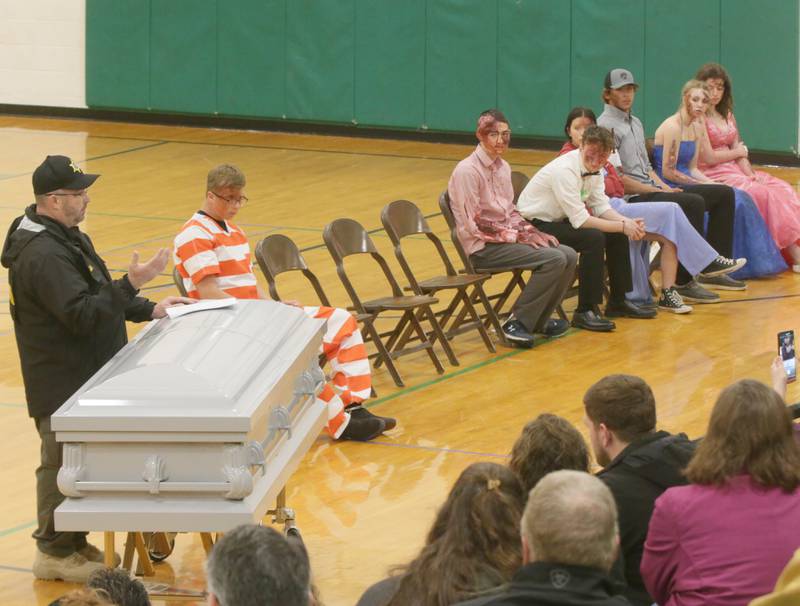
point(750, 431)
point(578, 112)
point(715, 70)
point(474, 543)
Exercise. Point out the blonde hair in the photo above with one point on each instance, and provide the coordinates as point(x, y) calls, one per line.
point(690, 86)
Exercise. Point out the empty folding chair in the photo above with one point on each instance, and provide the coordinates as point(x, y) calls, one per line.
point(518, 182)
point(346, 237)
point(402, 218)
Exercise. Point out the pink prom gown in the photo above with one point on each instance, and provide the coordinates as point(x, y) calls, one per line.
point(776, 200)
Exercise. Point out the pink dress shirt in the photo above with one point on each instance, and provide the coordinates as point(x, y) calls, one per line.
point(721, 546)
point(480, 191)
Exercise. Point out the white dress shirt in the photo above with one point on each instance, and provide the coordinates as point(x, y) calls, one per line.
point(564, 189)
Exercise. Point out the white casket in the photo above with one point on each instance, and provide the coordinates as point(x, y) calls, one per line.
point(195, 425)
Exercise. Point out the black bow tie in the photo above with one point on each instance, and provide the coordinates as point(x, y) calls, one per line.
point(597, 172)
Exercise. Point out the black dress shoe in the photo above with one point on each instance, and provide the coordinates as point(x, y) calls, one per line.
point(589, 320)
point(359, 412)
point(626, 309)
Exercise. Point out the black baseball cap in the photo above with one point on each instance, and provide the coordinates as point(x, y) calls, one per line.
point(59, 172)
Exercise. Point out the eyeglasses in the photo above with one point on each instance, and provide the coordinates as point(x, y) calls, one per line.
point(241, 200)
point(505, 135)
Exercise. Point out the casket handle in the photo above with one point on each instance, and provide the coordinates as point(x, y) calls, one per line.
point(155, 472)
point(72, 467)
point(280, 420)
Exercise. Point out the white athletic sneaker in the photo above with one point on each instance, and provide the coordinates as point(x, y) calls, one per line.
point(73, 568)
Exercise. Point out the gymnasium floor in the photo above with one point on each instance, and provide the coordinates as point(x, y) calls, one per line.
point(361, 507)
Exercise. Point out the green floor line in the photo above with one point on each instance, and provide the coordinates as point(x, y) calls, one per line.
point(445, 377)
point(8, 531)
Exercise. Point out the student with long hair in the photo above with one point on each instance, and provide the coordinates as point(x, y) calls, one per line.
point(472, 547)
point(725, 159)
point(725, 538)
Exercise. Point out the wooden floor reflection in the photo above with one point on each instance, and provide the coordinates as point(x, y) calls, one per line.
point(362, 508)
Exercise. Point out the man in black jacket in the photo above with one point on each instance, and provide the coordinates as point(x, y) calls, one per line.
point(639, 463)
point(569, 541)
point(69, 319)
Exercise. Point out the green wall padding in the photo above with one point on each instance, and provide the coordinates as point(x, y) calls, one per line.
point(675, 58)
point(183, 56)
point(606, 35)
point(118, 54)
point(759, 48)
point(390, 63)
point(320, 50)
point(251, 57)
point(461, 62)
point(534, 33)
point(435, 64)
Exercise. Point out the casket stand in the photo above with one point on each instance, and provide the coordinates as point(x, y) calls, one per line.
point(195, 425)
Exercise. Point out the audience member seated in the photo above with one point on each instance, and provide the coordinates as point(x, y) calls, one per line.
point(725, 538)
point(257, 566)
point(665, 223)
point(120, 587)
point(495, 236)
point(84, 596)
point(569, 540)
point(642, 184)
point(472, 546)
point(213, 258)
point(639, 464)
point(566, 198)
point(724, 158)
point(787, 589)
point(548, 443)
point(677, 147)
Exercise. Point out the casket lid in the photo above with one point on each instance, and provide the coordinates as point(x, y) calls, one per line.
point(203, 372)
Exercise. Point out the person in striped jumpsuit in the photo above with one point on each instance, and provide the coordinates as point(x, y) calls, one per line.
point(212, 256)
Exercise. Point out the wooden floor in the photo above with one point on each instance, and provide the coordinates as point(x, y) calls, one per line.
point(361, 507)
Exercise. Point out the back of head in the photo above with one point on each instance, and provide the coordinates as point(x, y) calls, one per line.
point(571, 519)
point(120, 587)
point(624, 404)
point(750, 431)
point(474, 541)
point(548, 443)
point(257, 566)
point(225, 175)
point(86, 596)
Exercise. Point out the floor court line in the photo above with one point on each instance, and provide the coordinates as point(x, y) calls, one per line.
point(13, 529)
point(117, 153)
point(16, 569)
point(437, 449)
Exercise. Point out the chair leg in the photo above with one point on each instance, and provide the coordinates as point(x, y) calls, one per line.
point(437, 329)
point(383, 354)
point(426, 341)
point(477, 319)
point(491, 316)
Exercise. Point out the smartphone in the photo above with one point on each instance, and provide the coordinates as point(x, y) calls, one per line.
point(786, 352)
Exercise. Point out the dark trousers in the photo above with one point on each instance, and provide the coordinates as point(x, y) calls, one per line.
point(48, 497)
point(695, 200)
point(592, 244)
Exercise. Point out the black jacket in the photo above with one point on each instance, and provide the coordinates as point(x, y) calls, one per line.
point(636, 478)
point(543, 584)
point(69, 315)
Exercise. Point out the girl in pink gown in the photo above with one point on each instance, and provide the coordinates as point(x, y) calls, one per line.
point(724, 159)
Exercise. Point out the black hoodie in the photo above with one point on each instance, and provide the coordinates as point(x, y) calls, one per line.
point(637, 477)
point(69, 315)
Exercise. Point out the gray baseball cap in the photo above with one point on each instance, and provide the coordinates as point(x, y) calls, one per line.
point(617, 78)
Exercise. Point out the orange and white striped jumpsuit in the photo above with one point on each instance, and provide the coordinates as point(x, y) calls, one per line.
point(205, 247)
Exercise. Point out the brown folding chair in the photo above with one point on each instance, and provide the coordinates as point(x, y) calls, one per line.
point(345, 237)
point(515, 281)
point(402, 218)
point(277, 254)
point(518, 182)
point(178, 279)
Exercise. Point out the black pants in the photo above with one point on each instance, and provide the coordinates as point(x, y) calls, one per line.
point(695, 200)
point(591, 244)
